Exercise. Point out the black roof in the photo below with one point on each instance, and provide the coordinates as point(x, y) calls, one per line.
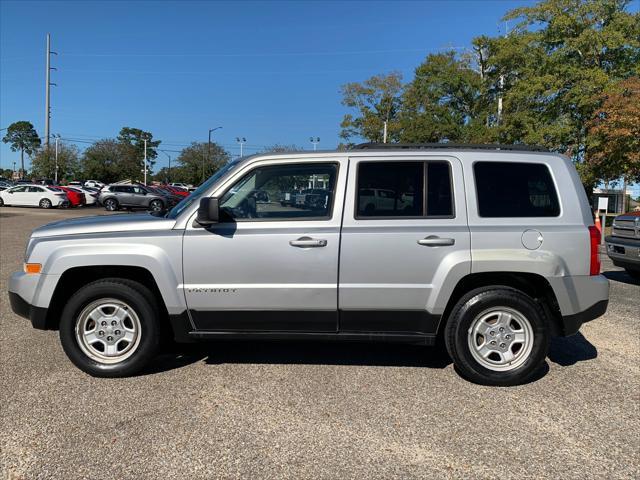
point(448, 146)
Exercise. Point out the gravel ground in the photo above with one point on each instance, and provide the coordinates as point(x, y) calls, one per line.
point(287, 410)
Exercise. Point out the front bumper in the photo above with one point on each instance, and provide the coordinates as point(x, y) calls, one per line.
point(37, 315)
point(624, 252)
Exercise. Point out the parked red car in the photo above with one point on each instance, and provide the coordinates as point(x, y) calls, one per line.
point(181, 192)
point(76, 197)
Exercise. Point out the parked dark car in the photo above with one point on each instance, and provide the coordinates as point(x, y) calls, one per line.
point(115, 197)
point(623, 245)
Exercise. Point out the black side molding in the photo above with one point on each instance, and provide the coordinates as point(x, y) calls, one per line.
point(572, 323)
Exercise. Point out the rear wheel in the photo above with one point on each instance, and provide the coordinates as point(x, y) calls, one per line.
point(1, 202)
point(111, 204)
point(45, 203)
point(110, 328)
point(497, 336)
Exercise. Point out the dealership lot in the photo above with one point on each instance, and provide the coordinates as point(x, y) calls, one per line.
point(274, 410)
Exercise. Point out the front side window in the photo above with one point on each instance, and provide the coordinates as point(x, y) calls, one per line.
point(282, 192)
point(17, 189)
point(515, 190)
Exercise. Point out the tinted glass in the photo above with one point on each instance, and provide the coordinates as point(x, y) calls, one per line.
point(390, 189)
point(290, 192)
point(515, 190)
point(439, 197)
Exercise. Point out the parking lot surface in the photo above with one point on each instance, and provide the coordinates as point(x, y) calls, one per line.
point(301, 410)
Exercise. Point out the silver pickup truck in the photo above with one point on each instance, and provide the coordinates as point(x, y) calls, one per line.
point(491, 250)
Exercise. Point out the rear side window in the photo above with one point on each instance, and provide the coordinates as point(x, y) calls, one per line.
point(515, 190)
point(390, 189)
point(397, 189)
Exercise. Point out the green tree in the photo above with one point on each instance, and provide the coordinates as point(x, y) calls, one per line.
point(134, 137)
point(6, 173)
point(555, 64)
point(197, 161)
point(443, 102)
point(44, 162)
point(376, 101)
point(109, 161)
point(22, 136)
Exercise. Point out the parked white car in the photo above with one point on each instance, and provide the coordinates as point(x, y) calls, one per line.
point(33, 196)
point(94, 183)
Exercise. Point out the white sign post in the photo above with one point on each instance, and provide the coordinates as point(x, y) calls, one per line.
point(603, 204)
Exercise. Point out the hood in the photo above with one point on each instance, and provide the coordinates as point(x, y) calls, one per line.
point(123, 222)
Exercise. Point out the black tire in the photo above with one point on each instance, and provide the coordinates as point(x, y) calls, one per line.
point(140, 299)
point(45, 203)
point(468, 308)
point(111, 204)
point(156, 205)
point(1, 202)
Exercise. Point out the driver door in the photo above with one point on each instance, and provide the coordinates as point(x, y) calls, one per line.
point(268, 266)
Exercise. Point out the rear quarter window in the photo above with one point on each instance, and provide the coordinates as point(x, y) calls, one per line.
point(507, 189)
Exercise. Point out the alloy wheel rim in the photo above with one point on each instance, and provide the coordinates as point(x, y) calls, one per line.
point(500, 339)
point(156, 206)
point(108, 331)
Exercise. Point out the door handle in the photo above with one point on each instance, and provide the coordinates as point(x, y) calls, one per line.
point(307, 242)
point(435, 241)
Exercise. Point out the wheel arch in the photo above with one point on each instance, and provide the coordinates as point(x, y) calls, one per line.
point(532, 284)
point(75, 278)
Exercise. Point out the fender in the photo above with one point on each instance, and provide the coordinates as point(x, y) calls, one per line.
point(160, 255)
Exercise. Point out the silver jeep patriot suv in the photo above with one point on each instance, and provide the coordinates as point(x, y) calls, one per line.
point(489, 249)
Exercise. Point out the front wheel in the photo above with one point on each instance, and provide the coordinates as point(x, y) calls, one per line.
point(497, 336)
point(110, 328)
point(1, 202)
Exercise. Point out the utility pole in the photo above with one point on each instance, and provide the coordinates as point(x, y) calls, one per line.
point(241, 141)
point(47, 95)
point(315, 141)
point(145, 161)
point(57, 137)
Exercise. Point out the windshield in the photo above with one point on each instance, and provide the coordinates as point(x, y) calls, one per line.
point(198, 192)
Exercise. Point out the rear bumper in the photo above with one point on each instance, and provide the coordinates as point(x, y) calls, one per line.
point(572, 323)
point(36, 315)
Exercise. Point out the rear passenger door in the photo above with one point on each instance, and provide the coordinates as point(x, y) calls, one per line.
point(397, 254)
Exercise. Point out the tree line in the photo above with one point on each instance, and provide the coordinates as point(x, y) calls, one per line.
point(111, 159)
point(566, 76)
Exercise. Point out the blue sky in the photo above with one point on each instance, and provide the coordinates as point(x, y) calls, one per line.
point(267, 71)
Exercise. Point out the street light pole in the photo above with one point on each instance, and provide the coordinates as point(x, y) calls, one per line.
point(208, 149)
point(315, 141)
point(241, 141)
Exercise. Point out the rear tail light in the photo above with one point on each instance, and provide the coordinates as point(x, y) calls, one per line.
point(594, 236)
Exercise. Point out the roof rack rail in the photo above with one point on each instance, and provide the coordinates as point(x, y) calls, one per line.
point(448, 146)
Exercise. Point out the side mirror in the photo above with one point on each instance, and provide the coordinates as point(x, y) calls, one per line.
point(208, 211)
